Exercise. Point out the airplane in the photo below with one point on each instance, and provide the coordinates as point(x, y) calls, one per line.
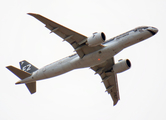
point(95, 52)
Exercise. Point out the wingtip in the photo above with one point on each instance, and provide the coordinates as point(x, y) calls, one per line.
point(115, 103)
point(8, 66)
point(32, 14)
point(18, 82)
point(33, 92)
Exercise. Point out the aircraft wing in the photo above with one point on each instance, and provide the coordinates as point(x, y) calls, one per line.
point(109, 78)
point(77, 40)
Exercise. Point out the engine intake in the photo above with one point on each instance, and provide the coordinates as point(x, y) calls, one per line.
point(122, 66)
point(96, 39)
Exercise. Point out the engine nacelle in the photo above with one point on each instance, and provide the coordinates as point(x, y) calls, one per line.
point(96, 39)
point(121, 66)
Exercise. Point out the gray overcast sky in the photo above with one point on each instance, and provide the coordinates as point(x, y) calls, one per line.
point(79, 94)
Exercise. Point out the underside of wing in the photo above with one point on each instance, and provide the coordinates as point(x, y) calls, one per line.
point(77, 40)
point(109, 78)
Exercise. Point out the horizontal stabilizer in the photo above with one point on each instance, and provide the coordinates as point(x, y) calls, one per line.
point(22, 75)
point(19, 73)
point(31, 87)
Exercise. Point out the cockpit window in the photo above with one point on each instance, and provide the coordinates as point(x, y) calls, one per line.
point(145, 27)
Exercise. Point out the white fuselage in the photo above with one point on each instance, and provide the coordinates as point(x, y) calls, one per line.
point(111, 48)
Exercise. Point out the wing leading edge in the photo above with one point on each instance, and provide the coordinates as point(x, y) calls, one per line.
point(77, 40)
point(109, 78)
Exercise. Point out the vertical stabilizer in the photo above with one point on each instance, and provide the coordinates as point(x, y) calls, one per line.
point(27, 67)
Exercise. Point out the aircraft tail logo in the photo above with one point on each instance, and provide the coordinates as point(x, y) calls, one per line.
point(27, 67)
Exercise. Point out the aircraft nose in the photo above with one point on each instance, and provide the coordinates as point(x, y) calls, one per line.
point(152, 30)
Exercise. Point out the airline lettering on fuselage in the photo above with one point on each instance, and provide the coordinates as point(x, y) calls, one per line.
point(123, 35)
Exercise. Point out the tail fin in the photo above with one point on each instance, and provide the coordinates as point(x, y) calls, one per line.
point(27, 67)
point(26, 70)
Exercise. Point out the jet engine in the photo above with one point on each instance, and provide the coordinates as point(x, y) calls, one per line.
point(122, 65)
point(96, 39)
